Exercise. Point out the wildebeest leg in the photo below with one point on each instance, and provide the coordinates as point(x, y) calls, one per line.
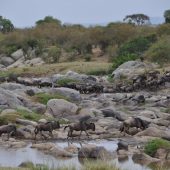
point(86, 133)
point(51, 134)
point(42, 135)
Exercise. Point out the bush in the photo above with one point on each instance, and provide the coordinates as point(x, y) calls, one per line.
point(152, 146)
point(45, 97)
point(122, 59)
point(65, 81)
point(159, 52)
point(137, 46)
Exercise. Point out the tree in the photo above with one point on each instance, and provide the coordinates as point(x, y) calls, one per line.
point(167, 16)
point(137, 19)
point(49, 19)
point(6, 25)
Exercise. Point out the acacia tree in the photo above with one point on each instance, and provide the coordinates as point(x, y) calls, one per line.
point(167, 16)
point(48, 19)
point(6, 25)
point(137, 19)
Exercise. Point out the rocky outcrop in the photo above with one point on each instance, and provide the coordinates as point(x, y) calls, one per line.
point(52, 149)
point(130, 68)
point(70, 94)
point(60, 107)
point(92, 151)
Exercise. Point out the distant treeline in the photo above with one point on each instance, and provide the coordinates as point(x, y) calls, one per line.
point(118, 42)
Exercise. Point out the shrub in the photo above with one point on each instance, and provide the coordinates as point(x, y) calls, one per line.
point(159, 52)
point(88, 57)
point(137, 46)
point(45, 97)
point(28, 115)
point(64, 81)
point(124, 58)
point(53, 54)
point(152, 146)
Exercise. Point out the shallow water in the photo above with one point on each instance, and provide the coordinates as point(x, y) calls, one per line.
point(13, 157)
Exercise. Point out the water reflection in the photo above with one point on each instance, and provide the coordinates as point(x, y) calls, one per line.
point(13, 158)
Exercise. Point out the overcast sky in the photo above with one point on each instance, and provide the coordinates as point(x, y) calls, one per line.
point(24, 13)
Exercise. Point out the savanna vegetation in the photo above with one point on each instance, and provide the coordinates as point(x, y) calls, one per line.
point(134, 38)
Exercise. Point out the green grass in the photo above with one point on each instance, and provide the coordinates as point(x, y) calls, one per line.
point(45, 97)
point(49, 69)
point(29, 115)
point(152, 146)
point(65, 81)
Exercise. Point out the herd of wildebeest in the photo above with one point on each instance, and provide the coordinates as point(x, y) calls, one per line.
point(151, 80)
point(11, 129)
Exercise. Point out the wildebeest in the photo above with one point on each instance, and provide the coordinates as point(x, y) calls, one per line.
point(81, 126)
point(9, 129)
point(48, 126)
point(133, 122)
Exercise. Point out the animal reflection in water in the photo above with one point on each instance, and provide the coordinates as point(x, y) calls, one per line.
point(133, 122)
point(8, 129)
point(48, 126)
point(81, 126)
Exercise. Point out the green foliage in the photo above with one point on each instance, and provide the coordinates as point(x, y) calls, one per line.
point(138, 19)
point(28, 115)
point(88, 57)
point(159, 52)
point(6, 25)
point(65, 81)
point(122, 59)
point(152, 146)
point(9, 118)
point(45, 97)
point(48, 19)
point(53, 55)
point(163, 29)
point(98, 72)
point(137, 46)
point(167, 16)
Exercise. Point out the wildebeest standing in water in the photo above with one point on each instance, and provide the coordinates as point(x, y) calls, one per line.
point(8, 129)
point(133, 122)
point(48, 126)
point(81, 126)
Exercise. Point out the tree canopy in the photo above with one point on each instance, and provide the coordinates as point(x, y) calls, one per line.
point(137, 19)
point(48, 19)
point(167, 16)
point(6, 25)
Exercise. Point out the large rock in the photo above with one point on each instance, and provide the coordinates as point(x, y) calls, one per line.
point(92, 151)
point(12, 86)
point(153, 131)
point(80, 77)
point(34, 62)
point(70, 94)
point(148, 113)
point(6, 61)
point(25, 122)
point(18, 63)
point(142, 158)
point(60, 108)
point(112, 112)
point(52, 149)
point(162, 154)
point(129, 69)
point(17, 54)
point(9, 100)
